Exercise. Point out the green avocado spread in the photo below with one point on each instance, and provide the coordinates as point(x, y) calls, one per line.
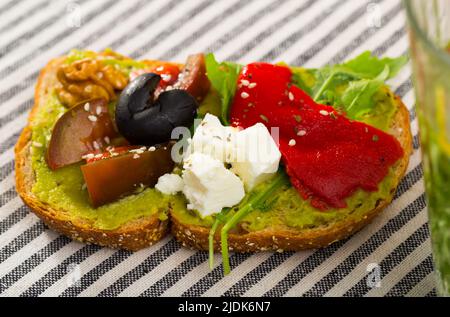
point(64, 189)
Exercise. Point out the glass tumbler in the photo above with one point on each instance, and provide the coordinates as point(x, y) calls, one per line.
point(429, 31)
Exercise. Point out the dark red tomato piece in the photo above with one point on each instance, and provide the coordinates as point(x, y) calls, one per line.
point(109, 179)
point(327, 156)
point(85, 128)
point(193, 77)
point(168, 71)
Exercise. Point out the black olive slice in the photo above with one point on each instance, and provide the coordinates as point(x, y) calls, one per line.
point(144, 121)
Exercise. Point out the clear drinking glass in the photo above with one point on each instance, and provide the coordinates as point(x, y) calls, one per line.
point(429, 29)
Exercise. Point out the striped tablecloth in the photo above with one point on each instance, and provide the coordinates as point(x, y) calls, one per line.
point(35, 261)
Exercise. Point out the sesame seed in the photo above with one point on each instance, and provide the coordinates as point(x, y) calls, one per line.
point(245, 82)
point(88, 156)
point(252, 85)
point(138, 151)
point(166, 78)
point(291, 96)
point(136, 156)
point(301, 133)
point(92, 118)
point(292, 143)
point(152, 149)
point(87, 106)
point(107, 140)
point(100, 75)
point(324, 113)
point(37, 144)
point(245, 95)
point(98, 110)
point(84, 186)
point(160, 69)
point(264, 118)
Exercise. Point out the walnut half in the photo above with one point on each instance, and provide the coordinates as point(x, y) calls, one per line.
point(88, 79)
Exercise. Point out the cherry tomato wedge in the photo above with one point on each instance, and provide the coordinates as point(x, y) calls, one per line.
point(110, 178)
point(168, 71)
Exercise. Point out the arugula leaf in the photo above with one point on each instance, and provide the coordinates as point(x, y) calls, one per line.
point(368, 66)
point(363, 76)
point(223, 77)
point(255, 202)
point(358, 96)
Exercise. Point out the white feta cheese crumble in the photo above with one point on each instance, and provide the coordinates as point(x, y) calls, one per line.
point(257, 156)
point(170, 184)
point(213, 139)
point(209, 186)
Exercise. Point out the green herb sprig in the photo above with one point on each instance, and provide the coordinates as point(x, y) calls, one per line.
point(223, 77)
point(362, 77)
point(255, 202)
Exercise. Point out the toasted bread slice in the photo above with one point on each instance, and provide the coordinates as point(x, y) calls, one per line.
point(291, 239)
point(145, 231)
point(134, 235)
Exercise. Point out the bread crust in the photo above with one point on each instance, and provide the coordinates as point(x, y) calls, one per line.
point(144, 232)
point(196, 237)
point(133, 236)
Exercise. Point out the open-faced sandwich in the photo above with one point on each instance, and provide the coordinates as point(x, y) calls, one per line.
point(248, 158)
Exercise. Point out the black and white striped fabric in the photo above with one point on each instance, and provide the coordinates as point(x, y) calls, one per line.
point(390, 257)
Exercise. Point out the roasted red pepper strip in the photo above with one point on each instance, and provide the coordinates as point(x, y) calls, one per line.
point(327, 156)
